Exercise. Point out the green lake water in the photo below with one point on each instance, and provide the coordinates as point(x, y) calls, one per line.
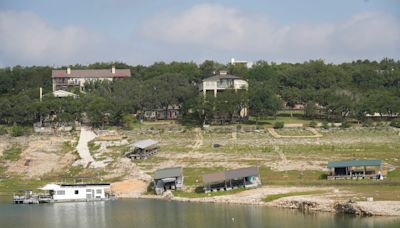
point(159, 214)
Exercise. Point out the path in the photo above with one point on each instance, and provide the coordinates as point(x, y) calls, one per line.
point(198, 141)
point(82, 147)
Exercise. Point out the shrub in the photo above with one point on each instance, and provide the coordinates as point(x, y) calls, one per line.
point(345, 124)
point(3, 130)
point(367, 123)
point(312, 124)
point(395, 123)
point(238, 127)
point(325, 125)
point(17, 130)
point(279, 125)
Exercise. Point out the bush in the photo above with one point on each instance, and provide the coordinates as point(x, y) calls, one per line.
point(312, 124)
point(279, 125)
point(16, 130)
point(395, 123)
point(3, 130)
point(325, 125)
point(345, 124)
point(367, 123)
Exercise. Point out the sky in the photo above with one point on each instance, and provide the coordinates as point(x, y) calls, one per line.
point(59, 33)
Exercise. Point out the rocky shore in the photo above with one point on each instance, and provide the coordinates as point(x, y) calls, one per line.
point(309, 203)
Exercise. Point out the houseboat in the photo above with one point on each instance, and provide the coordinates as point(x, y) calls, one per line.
point(65, 193)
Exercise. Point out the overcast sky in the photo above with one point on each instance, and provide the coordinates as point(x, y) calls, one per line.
point(50, 32)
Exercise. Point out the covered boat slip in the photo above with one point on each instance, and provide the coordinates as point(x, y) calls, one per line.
point(231, 179)
point(355, 169)
point(168, 179)
point(143, 149)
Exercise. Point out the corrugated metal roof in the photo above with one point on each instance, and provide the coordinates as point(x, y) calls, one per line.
point(144, 143)
point(230, 174)
point(214, 177)
point(223, 76)
point(242, 172)
point(101, 73)
point(168, 172)
point(349, 163)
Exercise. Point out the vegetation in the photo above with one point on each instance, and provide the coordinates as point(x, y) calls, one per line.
point(3, 130)
point(330, 92)
point(279, 125)
point(16, 130)
point(12, 153)
point(395, 123)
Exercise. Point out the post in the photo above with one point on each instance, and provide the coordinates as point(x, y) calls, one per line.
point(40, 93)
point(364, 171)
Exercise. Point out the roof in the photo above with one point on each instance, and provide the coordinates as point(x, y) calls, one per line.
point(168, 172)
point(240, 173)
point(221, 76)
point(214, 177)
point(102, 73)
point(57, 186)
point(144, 143)
point(230, 174)
point(349, 163)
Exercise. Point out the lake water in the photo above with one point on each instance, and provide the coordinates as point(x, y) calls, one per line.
point(159, 214)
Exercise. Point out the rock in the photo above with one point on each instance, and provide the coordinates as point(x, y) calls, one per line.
point(168, 195)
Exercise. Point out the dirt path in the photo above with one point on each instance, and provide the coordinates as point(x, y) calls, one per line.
point(198, 141)
point(82, 147)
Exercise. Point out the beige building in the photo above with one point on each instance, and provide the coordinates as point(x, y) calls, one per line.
point(64, 79)
point(222, 82)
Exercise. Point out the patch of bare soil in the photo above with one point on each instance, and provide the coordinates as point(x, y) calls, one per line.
point(131, 188)
point(125, 168)
point(41, 155)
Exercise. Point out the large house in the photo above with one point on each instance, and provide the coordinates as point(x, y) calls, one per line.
point(64, 79)
point(221, 82)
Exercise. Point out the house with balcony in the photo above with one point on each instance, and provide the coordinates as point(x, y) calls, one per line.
point(68, 78)
point(222, 81)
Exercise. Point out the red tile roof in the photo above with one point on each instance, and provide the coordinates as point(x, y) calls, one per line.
point(104, 73)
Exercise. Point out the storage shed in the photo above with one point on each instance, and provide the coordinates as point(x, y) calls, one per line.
point(168, 179)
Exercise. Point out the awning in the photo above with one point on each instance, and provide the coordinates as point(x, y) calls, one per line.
point(144, 143)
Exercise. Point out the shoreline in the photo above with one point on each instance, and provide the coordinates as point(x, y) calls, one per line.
point(324, 202)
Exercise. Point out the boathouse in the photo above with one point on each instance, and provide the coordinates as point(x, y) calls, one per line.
point(230, 179)
point(78, 192)
point(168, 179)
point(355, 169)
point(143, 149)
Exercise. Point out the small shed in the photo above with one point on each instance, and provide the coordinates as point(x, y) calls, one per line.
point(355, 169)
point(143, 149)
point(168, 179)
point(229, 179)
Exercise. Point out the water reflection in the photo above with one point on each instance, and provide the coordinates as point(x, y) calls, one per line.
point(153, 213)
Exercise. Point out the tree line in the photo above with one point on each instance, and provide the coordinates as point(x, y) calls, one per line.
point(333, 91)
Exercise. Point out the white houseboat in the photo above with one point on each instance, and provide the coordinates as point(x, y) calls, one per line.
point(78, 192)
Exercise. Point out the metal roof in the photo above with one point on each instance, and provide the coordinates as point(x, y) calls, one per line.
point(214, 177)
point(101, 73)
point(242, 172)
point(144, 143)
point(223, 76)
point(168, 173)
point(230, 174)
point(349, 163)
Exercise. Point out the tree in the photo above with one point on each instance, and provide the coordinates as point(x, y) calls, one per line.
point(263, 102)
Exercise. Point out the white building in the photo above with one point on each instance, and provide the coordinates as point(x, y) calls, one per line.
point(241, 62)
point(78, 192)
point(221, 82)
point(63, 79)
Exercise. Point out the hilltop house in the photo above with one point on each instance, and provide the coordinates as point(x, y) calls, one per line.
point(221, 82)
point(63, 79)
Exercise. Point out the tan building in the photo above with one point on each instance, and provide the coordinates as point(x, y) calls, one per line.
point(64, 79)
point(222, 82)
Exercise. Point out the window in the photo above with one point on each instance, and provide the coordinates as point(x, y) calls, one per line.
point(60, 192)
point(98, 191)
point(88, 190)
point(76, 192)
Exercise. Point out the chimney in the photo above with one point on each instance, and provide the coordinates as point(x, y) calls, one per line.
point(113, 69)
point(68, 70)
